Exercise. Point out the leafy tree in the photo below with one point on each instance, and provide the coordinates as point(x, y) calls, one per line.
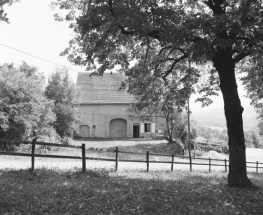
point(158, 34)
point(3, 15)
point(253, 81)
point(24, 110)
point(60, 89)
point(253, 139)
point(167, 98)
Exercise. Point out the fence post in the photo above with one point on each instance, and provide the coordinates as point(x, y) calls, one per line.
point(83, 158)
point(33, 154)
point(190, 163)
point(257, 167)
point(172, 166)
point(147, 160)
point(209, 164)
point(117, 157)
point(225, 166)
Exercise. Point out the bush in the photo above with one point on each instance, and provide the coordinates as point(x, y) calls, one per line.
point(27, 148)
point(7, 147)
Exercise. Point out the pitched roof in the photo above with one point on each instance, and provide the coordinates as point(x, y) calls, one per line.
point(101, 89)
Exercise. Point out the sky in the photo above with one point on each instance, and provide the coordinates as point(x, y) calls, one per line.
point(33, 30)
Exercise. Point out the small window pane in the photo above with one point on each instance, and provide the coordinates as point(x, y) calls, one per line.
point(147, 127)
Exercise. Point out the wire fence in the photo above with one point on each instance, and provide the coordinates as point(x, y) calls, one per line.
point(116, 159)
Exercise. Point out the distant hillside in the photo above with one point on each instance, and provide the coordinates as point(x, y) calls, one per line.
point(215, 117)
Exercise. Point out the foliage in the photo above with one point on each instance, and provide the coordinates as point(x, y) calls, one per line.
point(210, 133)
point(260, 127)
point(253, 81)
point(3, 15)
point(61, 90)
point(160, 97)
point(66, 122)
point(253, 139)
point(24, 110)
point(176, 29)
point(128, 192)
point(158, 35)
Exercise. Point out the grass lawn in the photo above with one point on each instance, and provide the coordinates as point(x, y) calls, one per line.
point(162, 148)
point(107, 152)
point(103, 192)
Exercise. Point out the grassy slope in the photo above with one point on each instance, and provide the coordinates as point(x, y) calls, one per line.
point(101, 192)
point(162, 148)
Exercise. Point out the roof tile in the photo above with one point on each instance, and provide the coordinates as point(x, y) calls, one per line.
point(101, 89)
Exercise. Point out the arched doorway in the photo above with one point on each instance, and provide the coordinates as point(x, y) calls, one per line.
point(84, 131)
point(118, 128)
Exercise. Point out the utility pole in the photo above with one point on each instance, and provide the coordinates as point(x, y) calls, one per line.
point(188, 113)
point(189, 130)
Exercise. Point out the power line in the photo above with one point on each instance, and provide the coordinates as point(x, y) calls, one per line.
point(38, 57)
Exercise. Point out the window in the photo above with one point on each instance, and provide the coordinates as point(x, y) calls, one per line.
point(147, 127)
point(94, 126)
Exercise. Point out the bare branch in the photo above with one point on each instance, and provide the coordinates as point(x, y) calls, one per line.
point(167, 84)
point(169, 71)
point(166, 47)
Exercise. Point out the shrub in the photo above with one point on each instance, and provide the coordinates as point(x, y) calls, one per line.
point(199, 153)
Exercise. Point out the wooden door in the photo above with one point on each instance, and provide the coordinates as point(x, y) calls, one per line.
point(118, 128)
point(136, 130)
point(84, 131)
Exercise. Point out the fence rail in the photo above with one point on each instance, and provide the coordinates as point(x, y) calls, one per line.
point(147, 160)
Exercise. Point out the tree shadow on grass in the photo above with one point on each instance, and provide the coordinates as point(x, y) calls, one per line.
point(131, 192)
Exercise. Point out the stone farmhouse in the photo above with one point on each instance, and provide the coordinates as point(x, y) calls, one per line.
point(104, 107)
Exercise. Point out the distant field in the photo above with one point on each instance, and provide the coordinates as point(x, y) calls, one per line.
point(215, 127)
point(216, 118)
point(222, 128)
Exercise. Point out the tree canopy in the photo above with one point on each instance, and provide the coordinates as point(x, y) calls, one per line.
point(166, 98)
point(24, 110)
point(252, 79)
point(61, 90)
point(158, 34)
point(3, 15)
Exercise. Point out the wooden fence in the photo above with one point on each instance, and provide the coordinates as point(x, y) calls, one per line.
point(147, 160)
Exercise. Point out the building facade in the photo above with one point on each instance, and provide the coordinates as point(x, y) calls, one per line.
point(104, 109)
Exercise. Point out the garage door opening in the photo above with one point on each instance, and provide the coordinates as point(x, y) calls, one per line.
point(118, 128)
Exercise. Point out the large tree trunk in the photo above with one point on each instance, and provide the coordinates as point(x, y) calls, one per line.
point(225, 67)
